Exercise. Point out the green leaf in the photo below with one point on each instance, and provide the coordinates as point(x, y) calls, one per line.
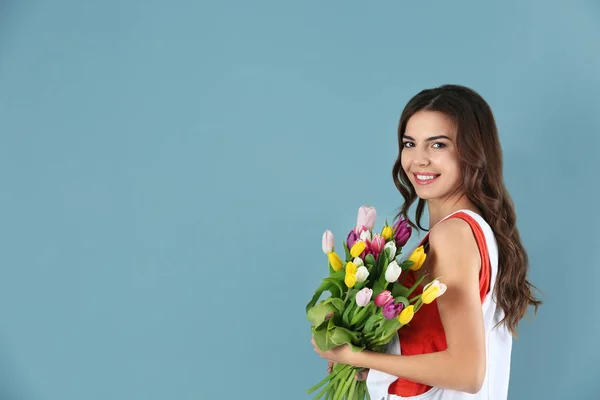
point(406, 264)
point(347, 251)
point(382, 266)
point(335, 285)
point(316, 315)
point(339, 275)
point(320, 334)
point(322, 287)
point(377, 288)
point(370, 324)
point(359, 314)
point(369, 259)
point(403, 300)
point(346, 315)
point(337, 303)
point(399, 290)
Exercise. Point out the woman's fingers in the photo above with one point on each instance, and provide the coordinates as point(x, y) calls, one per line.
point(362, 375)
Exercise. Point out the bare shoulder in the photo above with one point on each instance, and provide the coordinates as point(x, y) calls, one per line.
point(456, 252)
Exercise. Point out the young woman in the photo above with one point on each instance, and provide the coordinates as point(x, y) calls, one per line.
point(459, 346)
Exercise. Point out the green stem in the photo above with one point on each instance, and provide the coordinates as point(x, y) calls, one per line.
point(352, 389)
point(347, 295)
point(415, 298)
point(418, 305)
point(321, 383)
point(345, 383)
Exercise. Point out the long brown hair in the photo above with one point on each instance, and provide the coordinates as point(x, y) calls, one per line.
point(480, 156)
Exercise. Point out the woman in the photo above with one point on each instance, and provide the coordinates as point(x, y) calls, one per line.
point(459, 346)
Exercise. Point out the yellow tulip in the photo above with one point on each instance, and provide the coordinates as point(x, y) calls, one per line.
point(387, 232)
point(351, 268)
point(358, 248)
point(430, 294)
point(350, 280)
point(432, 291)
point(335, 261)
point(418, 257)
point(406, 315)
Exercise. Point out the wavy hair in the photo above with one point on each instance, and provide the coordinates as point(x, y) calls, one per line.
point(480, 156)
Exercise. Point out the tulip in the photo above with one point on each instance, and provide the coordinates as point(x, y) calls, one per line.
point(418, 257)
point(393, 271)
point(432, 291)
point(402, 232)
point(392, 246)
point(358, 229)
point(383, 298)
point(350, 280)
point(387, 232)
point(350, 268)
point(391, 310)
point(366, 216)
point(406, 315)
point(358, 261)
point(352, 238)
point(377, 244)
point(335, 261)
point(365, 236)
point(358, 248)
point(327, 242)
point(363, 297)
point(362, 273)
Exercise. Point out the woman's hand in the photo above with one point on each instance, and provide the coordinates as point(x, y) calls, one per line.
point(341, 355)
point(360, 376)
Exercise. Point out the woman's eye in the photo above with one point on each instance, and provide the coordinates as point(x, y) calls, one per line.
point(407, 144)
point(439, 145)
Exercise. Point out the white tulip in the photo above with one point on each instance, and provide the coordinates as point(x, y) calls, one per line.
point(362, 273)
point(393, 271)
point(358, 261)
point(365, 235)
point(392, 246)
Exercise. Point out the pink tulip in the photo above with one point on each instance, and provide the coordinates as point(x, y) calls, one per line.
point(383, 298)
point(363, 297)
point(366, 216)
point(327, 242)
point(359, 229)
point(377, 244)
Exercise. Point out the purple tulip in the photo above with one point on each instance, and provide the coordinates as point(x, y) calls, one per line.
point(352, 238)
point(392, 310)
point(402, 232)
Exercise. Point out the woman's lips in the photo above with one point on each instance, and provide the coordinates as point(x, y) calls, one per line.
point(425, 178)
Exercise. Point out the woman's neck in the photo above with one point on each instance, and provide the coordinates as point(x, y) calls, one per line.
point(439, 209)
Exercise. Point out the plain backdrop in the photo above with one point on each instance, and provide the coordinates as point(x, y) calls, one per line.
point(167, 170)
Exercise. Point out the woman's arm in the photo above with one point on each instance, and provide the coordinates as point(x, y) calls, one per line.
point(453, 257)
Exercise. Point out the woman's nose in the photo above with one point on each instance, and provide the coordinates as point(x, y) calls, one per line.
point(421, 159)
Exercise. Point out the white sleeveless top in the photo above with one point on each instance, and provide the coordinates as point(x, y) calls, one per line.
point(498, 341)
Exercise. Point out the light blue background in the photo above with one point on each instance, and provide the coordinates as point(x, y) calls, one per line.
point(167, 172)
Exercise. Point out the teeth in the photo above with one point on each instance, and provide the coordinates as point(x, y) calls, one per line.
point(425, 177)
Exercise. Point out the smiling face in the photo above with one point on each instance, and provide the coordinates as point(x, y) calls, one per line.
point(429, 155)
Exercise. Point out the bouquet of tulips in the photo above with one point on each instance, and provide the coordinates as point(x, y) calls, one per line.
point(367, 305)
